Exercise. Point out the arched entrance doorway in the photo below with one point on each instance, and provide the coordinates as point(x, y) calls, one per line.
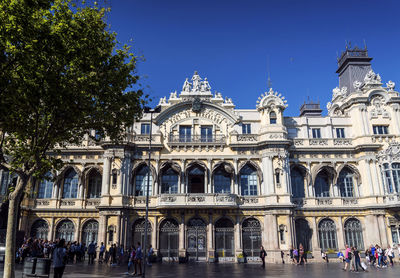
point(196, 178)
point(224, 239)
point(197, 239)
point(90, 231)
point(169, 236)
point(138, 232)
point(251, 237)
point(40, 229)
point(303, 234)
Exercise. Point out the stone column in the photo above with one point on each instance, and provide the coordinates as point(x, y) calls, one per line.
point(209, 188)
point(118, 233)
point(154, 234)
point(236, 177)
point(182, 249)
point(238, 243)
point(105, 186)
point(271, 232)
point(289, 231)
point(78, 230)
point(183, 177)
point(360, 109)
point(103, 229)
point(210, 236)
point(340, 236)
point(125, 173)
point(376, 178)
point(51, 230)
point(382, 231)
point(314, 239)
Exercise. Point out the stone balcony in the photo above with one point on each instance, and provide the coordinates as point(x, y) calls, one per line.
point(343, 202)
point(67, 203)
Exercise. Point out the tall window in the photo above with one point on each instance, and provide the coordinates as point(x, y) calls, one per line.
point(141, 181)
point(380, 129)
point(353, 233)
point(65, 230)
point(272, 118)
point(248, 181)
point(346, 183)
point(45, 187)
point(224, 238)
point(70, 189)
point(169, 181)
point(94, 186)
point(316, 133)
point(138, 231)
point(185, 133)
point(322, 185)
point(246, 128)
point(169, 238)
point(206, 134)
point(392, 177)
point(327, 235)
point(222, 181)
point(340, 133)
point(90, 231)
point(40, 229)
point(145, 129)
point(395, 234)
point(297, 180)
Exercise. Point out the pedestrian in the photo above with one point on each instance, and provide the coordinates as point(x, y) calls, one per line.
point(138, 260)
point(101, 253)
point(357, 259)
point(282, 257)
point(59, 259)
point(263, 254)
point(302, 254)
point(112, 254)
point(295, 256)
point(347, 257)
point(91, 252)
point(131, 260)
point(324, 256)
point(150, 255)
point(390, 254)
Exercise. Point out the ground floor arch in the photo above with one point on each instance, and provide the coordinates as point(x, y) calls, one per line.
point(303, 234)
point(138, 230)
point(169, 236)
point(196, 238)
point(251, 237)
point(224, 238)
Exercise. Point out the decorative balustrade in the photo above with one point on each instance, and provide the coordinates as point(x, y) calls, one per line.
point(342, 142)
point(67, 203)
point(43, 203)
point(245, 138)
point(93, 202)
point(197, 139)
point(318, 142)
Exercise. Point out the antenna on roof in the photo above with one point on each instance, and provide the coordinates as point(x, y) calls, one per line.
point(269, 83)
point(365, 45)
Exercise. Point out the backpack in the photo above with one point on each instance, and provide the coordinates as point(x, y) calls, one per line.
point(349, 255)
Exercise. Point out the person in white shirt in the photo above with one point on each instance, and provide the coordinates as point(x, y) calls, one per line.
point(389, 254)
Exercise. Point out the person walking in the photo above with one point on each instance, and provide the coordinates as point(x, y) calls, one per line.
point(138, 260)
point(131, 260)
point(101, 254)
point(150, 255)
point(263, 254)
point(347, 257)
point(390, 254)
point(91, 252)
point(302, 254)
point(357, 259)
point(59, 259)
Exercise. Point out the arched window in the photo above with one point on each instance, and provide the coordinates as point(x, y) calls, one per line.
point(327, 235)
point(303, 234)
point(65, 230)
point(169, 238)
point(322, 184)
point(169, 181)
point(196, 177)
point(224, 239)
point(142, 180)
point(248, 181)
point(40, 229)
point(70, 189)
point(297, 180)
point(45, 187)
point(94, 184)
point(396, 176)
point(251, 237)
point(138, 231)
point(353, 233)
point(222, 180)
point(346, 186)
point(90, 231)
point(272, 118)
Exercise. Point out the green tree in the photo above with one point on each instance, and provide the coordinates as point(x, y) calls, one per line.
point(62, 74)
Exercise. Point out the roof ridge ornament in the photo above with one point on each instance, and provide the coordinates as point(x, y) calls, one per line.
point(269, 98)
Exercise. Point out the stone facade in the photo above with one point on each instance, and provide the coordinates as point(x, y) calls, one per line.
point(224, 181)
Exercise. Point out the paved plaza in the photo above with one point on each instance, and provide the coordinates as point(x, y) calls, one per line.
point(193, 270)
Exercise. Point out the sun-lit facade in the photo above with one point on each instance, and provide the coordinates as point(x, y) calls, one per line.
point(224, 181)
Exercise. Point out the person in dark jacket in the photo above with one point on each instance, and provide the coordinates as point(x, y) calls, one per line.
point(59, 258)
point(263, 254)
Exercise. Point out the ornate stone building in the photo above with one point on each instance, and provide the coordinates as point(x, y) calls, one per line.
point(224, 181)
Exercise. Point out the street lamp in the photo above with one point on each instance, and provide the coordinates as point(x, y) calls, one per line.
point(147, 109)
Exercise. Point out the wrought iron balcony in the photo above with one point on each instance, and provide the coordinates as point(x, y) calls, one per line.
point(197, 139)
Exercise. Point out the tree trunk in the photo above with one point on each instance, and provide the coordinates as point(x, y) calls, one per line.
point(14, 201)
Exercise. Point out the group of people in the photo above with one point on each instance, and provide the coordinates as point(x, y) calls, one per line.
point(298, 255)
point(42, 248)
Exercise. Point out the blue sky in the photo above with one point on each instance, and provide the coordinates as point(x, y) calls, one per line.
point(229, 42)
